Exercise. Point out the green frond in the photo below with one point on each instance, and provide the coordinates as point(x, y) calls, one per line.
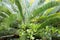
point(8, 20)
point(17, 2)
point(51, 20)
point(51, 11)
point(44, 8)
point(5, 9)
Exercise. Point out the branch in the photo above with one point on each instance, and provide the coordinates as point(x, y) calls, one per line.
point(9, 37)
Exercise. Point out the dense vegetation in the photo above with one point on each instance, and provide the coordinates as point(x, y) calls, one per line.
point(20, 20)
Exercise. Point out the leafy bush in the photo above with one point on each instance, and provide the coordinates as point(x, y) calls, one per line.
point(40, 22)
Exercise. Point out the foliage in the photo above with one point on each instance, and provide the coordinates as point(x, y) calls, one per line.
point(30, 23)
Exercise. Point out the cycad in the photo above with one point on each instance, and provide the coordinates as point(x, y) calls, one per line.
point(26, 23)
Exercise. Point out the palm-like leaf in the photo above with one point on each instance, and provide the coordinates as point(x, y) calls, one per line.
point(45, 7)
point(17, 2)
point(49, 20)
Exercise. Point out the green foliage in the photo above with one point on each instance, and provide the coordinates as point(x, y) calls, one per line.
point(38, 23)
point(45, 7)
